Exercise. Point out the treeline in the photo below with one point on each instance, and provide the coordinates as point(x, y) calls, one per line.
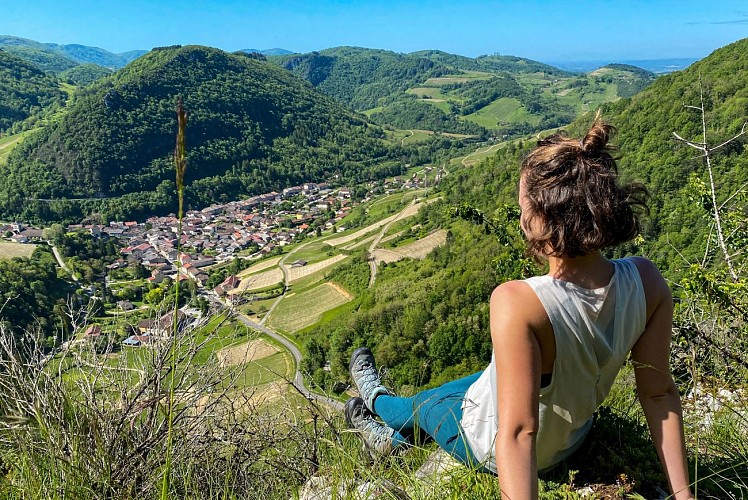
point(480, 93)
point(490, 63)
point(84, 74)
point(413, 114)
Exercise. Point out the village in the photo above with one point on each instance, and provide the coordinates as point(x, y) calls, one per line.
point(214, 236)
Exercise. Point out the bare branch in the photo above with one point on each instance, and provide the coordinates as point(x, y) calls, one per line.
point(696, 145)
point(742, 132)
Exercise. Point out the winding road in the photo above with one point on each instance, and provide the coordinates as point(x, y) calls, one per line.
point(298, 377)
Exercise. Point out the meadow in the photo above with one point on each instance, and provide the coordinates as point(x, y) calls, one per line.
point(9, 249)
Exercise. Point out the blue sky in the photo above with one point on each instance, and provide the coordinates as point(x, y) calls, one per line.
point(541, 30)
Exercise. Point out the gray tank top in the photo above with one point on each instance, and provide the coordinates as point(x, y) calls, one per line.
point(594, 331)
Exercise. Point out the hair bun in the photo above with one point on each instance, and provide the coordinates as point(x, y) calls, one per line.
point(596, 138)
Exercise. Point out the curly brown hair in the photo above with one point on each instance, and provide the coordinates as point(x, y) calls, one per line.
point(574, 198)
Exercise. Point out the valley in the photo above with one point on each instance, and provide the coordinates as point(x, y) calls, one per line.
point(333, 199)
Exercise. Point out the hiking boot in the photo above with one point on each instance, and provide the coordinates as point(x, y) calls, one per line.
point(366, 377)
point(376, 436)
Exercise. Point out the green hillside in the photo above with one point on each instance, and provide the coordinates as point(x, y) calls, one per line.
point(434, 313)
point(492, 63)
point(25, 91)
point(84, 74)
point(360, 77)
point(37, 54)
point(468, 95)
point(253, 127)
point(94, 55)
point(646, 125)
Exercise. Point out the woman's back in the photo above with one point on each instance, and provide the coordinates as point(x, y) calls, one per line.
point(594, 330)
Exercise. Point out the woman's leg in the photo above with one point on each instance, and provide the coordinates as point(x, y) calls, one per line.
point(437, 411)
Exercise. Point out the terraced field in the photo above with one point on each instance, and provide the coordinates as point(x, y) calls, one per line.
point(260, 266)
point(296, 273)
point(418, 249)
point(259, 281)
point(303, 309)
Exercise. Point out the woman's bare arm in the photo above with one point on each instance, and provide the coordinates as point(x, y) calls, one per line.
point(514, 307)
point(655, 387)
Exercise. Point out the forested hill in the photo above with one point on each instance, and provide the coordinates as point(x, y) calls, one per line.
point(252, 127)
point(646, 123)
point(358, 76)
point(24, 91)
point(434, 90)
point(492, 63)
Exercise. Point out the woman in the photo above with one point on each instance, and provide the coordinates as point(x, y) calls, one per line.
point(559, 340)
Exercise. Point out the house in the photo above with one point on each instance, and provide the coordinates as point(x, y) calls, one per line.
point(93, 331)
point(163, 326)
point(299, 263)
point(32, 234)
point(125, 305)
point(231, 282)
point(156, 277)
point(137, 340)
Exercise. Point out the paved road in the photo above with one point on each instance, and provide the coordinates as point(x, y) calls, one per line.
point(291, 347)
point(62, 264)
point(478, 151)
point(298, 378)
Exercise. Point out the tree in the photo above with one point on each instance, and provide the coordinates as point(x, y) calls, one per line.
point(711, 203)
point(155, 296)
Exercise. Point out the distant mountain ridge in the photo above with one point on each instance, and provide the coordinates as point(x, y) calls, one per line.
point(657, 66)
point(56, 58)
point(269, 52)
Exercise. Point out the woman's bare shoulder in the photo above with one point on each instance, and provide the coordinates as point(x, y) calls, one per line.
point(517, 301)
point(656, 289)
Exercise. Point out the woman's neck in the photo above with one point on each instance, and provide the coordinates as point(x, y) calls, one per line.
point(588, 271)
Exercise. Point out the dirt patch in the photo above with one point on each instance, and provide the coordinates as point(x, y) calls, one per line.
point(342, 291)
point(419, 249)
point(381, 255)
point(244, 353)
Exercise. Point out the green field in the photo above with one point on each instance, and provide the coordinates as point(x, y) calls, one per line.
point(315, 251)
point(305, 308)
point(8, 143)
point(504, 110)
point(371, 111)
point(431, 92)
point(9, 249)
point(267, 369)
